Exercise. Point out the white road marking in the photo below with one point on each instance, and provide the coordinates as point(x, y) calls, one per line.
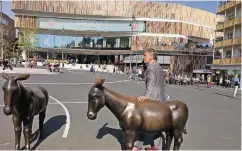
point(62, 102)
point(5, 144)
point(239, 91)
point(167, 96)
point(74, 83)
point(67, 117)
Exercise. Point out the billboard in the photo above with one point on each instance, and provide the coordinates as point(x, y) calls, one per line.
point(90, 25)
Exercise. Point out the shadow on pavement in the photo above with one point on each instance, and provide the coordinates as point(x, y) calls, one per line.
point(118, 134)
point(226, 95)
point(50, 127)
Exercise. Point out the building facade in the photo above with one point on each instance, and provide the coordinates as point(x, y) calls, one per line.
point(227, 52)
point(99, 30)
point(8, 31)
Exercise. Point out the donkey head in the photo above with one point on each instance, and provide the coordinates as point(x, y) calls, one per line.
point(96, 99)
point(11, 91)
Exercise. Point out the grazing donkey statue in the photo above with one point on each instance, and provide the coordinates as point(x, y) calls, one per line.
point(24, 103)
point(148, 117)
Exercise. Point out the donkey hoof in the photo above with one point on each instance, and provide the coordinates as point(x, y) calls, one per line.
point(26, 148)
point(17, 147)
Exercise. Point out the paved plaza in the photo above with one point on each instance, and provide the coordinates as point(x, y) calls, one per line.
point(214, 116)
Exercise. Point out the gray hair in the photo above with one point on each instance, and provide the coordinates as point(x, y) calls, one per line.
point(153, 53)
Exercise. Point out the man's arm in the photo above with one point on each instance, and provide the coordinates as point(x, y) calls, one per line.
point(151, 81)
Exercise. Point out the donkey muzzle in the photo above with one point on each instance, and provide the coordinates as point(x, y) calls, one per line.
point(7, 110)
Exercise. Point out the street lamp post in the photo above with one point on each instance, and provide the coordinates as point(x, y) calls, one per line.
point(131, 24)
point(2, 29)
point(62, 55)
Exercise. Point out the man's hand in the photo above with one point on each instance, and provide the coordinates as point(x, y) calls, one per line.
point(142, 98)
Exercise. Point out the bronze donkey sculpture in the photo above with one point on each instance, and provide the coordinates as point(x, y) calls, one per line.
point(134, 116)
point(24, 103)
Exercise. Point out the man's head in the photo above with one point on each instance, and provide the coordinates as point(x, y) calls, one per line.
point(149, 56)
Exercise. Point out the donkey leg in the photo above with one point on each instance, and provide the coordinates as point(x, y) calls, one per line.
point(178, 139)
point(169, 137)
point(129, 139)
point(27, 132)
point(41, 123)
point(17, 129)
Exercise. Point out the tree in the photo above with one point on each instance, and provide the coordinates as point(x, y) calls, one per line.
point(27, 40)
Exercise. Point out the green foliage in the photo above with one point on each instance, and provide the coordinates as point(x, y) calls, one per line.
point(27, 40)
point(235, 71)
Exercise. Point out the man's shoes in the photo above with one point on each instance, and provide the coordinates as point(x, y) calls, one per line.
point(136, 148)
point(151, 148)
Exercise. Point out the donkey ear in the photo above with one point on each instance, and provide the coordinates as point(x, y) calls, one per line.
point(100, 81)
point(22, 77)
point(5, 75)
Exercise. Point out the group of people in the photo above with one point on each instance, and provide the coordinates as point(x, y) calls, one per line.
point(154, 90)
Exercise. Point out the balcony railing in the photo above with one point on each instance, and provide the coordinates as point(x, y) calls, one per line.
point(226, 6)
point(230, 4)
point(227, 61)
point(221, 8)
point(229, 23)
point(218, 44)
point(237, 41)
point(220, 26)
point(227, 42)
point(237, 21)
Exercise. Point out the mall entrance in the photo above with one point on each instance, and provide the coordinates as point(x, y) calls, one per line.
point(102, 59)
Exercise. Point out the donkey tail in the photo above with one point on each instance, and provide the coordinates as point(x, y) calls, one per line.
point(45, 92)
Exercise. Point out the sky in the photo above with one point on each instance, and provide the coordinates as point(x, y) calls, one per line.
point(209, 6)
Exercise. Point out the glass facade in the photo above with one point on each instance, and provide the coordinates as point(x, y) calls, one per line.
point(58, 41)
point(90, 25)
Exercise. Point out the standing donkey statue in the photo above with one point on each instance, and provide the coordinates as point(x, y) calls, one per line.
point(24, 103)
point(147, 117)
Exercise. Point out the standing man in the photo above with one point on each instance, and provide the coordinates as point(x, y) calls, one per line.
point(154, 91)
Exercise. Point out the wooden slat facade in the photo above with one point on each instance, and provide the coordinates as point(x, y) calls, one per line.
point(127, 9)
point(155, 42)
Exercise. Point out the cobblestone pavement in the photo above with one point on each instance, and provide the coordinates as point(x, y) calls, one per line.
point(214, 119)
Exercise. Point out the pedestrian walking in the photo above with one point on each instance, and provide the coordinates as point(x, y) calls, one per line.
point(236, 84)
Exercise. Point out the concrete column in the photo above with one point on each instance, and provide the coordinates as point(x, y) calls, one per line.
point(117, 42)
point(104, 42)
point(130, 41)
point(47, 56)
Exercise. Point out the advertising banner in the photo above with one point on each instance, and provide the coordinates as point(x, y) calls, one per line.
point(90, 25)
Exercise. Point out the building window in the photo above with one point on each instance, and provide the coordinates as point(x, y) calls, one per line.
point(228, 54)
point(239, 52)
point(124, 42)
point(79, 42)
point(111, 42)
point(43, 42)
point(230, 35)
point(72, 43)
point(50, 41)
point(58, 40)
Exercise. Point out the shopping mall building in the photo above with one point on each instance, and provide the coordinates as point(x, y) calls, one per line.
point(108, 30)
